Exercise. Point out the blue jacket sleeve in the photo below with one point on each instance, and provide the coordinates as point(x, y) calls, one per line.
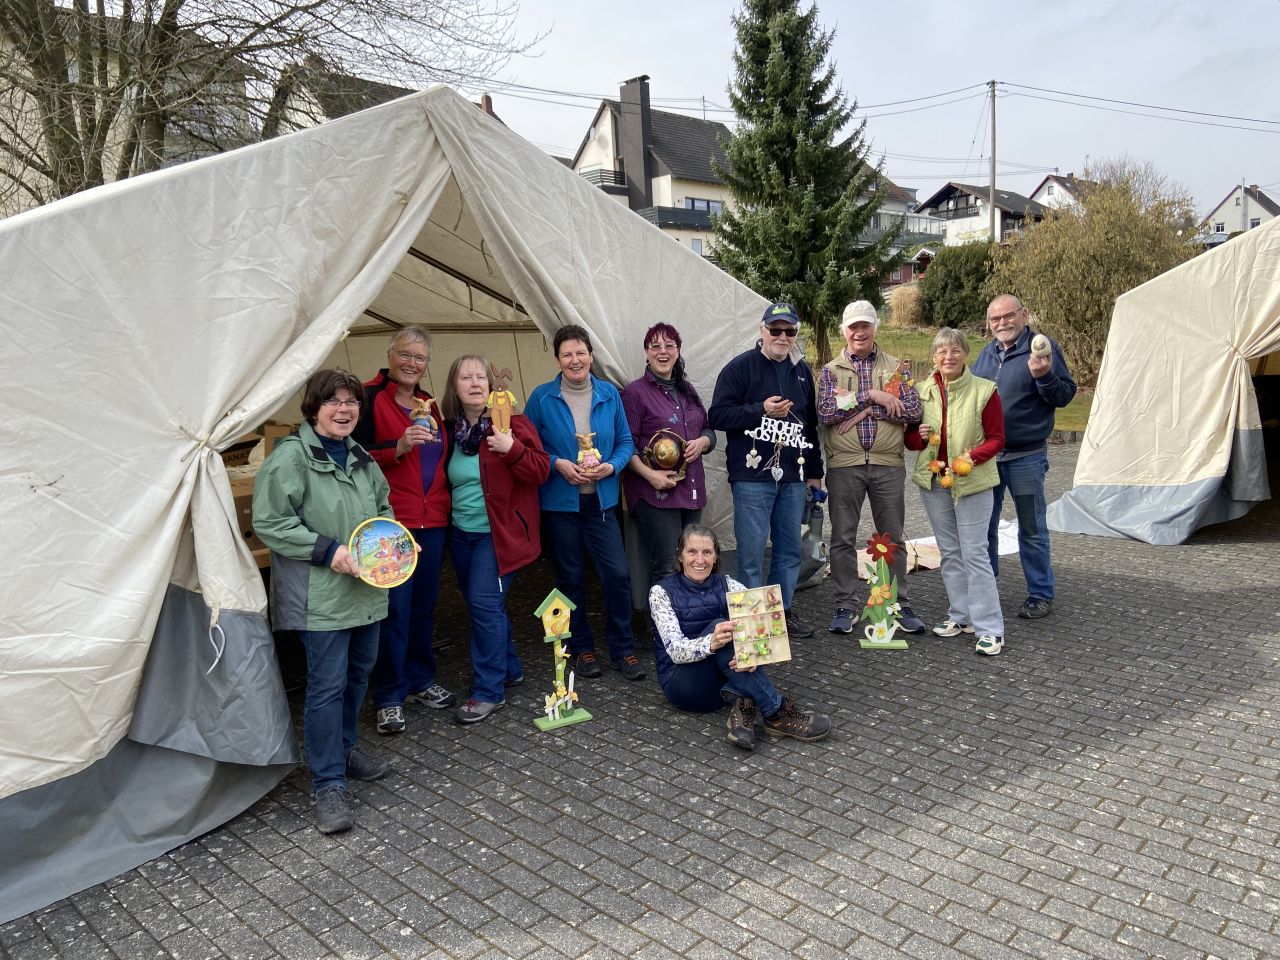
point(730, 408)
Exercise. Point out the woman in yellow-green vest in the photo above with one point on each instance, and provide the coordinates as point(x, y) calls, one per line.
point(961, 432)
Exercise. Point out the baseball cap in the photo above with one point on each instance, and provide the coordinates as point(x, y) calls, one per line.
point(783, 312)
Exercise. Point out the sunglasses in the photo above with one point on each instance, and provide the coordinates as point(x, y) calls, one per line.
point(782, 331)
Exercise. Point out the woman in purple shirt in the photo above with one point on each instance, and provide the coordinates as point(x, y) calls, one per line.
point(662, 405)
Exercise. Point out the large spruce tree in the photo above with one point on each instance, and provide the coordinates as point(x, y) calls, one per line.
point(802, 191)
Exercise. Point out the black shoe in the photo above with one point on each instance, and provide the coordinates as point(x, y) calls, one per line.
point(742, 723)
point(842, 622)
point(361, 766)
point(791, 721)
point(629, 667)
point(1035, 608)
point(587, 666)
point(796, 627)
point(333, 810)
point(908, 622)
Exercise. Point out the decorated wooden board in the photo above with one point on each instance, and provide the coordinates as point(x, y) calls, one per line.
point(759, 626)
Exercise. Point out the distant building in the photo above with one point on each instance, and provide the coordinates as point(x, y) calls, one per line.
point(657, 163)
point(1242, 209)
point(1059, 191)
point(966, 210)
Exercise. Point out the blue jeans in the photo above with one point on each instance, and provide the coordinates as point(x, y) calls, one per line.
point(1024, 479)
point(660, 530)
point(568, 537)
point(338, 665)
point(773, 512)
point(704, 686)
point(406, 662)
point(493, 652)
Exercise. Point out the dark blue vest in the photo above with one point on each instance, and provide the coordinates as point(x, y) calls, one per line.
point(698, 607)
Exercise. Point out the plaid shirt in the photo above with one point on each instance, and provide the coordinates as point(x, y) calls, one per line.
point(829, 413)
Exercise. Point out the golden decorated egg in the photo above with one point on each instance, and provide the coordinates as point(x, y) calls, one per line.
point(666, 453)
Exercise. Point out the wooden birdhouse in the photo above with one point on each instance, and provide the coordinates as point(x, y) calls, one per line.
point(555, 611)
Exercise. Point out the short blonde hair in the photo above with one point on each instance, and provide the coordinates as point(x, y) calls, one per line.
point(950, 337)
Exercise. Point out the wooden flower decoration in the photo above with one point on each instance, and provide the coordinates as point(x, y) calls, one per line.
point(882, 547)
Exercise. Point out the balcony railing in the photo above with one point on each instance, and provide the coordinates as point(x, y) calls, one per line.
point(677, 217)
point(604, 178)
point(915, 229)
point(960, 213)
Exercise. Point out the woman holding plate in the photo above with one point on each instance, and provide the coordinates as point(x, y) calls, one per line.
point(494, 475)
point(317, 486)
point(665, 486)
point(403, 432)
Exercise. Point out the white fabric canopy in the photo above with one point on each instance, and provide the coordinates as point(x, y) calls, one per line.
point(146, 324)
point(1174, 441)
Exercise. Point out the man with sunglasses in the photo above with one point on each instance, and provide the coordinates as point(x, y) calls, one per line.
point(764, 402)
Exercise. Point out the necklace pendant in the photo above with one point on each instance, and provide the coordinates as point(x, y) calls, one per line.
point(777, 474)
point(753, 459)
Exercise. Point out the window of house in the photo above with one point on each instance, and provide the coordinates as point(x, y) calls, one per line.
point(698, 203)
point(1219, 227)
point(1237, 201)
point(897, 274)
point(1255, 222)
point(1049, 191)
point(697, 246)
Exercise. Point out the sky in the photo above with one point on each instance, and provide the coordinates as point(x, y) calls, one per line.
point(1216, 58)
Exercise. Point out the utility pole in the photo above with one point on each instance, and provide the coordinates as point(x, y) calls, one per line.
point(1244, 206)
point(992, 194)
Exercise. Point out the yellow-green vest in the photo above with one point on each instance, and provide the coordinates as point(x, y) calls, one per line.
point(966, 398)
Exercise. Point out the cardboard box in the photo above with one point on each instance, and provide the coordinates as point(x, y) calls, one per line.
point(271, 432)
point(242, 490)
point(237, 455)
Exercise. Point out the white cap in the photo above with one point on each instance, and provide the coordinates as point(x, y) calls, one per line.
point(861, 311)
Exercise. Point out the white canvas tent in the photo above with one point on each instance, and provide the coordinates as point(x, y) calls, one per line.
point(1174, 440)
point(149, 323)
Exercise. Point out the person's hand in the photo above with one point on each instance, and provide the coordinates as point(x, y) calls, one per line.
point(600, 471)
point(660, 479)
point(892, 405)
point(413, 436)
point(572, 472)
point(696, 448)
point(500, 443)
point(1039, 366)
point(739, 668)
point(344, 562)
point(844, 426)
point(721, 635)
point(777, 407)
point(814, 483)
point(925, 430)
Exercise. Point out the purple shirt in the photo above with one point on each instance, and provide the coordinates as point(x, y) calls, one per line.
point(650, 408)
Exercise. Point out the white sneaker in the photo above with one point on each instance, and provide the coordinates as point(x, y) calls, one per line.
point(989, 645)
point(435, 696)
point(390, 719)
point(949, 628)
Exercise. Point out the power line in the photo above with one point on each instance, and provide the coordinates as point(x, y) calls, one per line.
point(1149, 116)
point(1147, 106)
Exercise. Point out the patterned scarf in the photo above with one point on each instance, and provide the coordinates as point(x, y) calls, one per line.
point(467, 437)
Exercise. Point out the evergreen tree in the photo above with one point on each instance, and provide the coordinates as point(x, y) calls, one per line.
point(802, 192)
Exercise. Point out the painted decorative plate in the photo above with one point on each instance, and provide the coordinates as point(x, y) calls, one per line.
point(384, 551)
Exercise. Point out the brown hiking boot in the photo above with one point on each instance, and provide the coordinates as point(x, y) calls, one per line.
point(791, 721)
point(742, 723)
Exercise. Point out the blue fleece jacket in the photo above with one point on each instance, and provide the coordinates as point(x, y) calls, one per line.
point(551, 416)
point(1028, 403)
point(738, 406)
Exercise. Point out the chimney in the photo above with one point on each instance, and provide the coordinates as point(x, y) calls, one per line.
point(635, 134)
point(486, 104)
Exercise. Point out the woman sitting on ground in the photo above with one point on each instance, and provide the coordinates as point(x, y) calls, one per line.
point(693, 650)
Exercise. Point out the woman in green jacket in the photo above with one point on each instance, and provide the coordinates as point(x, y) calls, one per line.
point(956, 473)
point(317, 486)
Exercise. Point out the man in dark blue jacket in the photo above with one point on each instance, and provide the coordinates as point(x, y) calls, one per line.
point(765, 402)
point(1031, 389)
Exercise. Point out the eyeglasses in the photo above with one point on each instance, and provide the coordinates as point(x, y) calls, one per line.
point(782, 331)
point(335, 403)
point(1004, 316)
point(412, 358)
point(663, 346)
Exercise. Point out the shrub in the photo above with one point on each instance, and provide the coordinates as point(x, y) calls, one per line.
point(906, 306)
point(952, 287)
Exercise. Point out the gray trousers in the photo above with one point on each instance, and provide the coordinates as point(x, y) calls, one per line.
point(847, 488)
point(960, 527)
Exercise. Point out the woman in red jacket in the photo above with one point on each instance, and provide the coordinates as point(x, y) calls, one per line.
point(494, 477)
point(409, 442)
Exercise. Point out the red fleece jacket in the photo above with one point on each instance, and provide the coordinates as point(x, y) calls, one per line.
point(382, 423)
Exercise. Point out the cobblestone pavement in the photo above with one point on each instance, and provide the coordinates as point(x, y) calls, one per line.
point(1104, 788)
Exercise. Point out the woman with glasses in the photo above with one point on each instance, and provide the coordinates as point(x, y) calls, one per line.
point(317, 486)
point(956, 476)
point(665, 485)
point(401, 428)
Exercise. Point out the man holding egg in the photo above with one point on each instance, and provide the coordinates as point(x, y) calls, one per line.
point(1034, 382)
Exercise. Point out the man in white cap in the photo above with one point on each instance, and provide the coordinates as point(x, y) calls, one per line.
point(862, 428)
